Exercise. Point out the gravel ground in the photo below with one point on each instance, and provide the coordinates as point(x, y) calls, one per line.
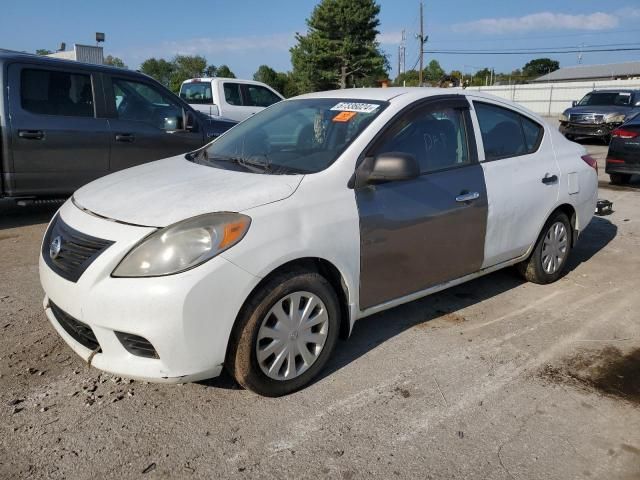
point(494, 379)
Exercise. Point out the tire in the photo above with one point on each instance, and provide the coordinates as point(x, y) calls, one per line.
point(536, 268)
point(279, 294)
point(619, 178)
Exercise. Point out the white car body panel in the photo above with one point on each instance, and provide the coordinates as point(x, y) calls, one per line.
point(188, 316)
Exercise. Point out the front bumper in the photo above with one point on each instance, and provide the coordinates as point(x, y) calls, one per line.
point(187, 317)
point(587, 130)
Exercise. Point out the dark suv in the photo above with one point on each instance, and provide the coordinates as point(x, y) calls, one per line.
point(64, 123)
point(599, 113)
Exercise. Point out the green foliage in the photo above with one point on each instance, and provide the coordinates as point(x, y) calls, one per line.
point(225, 72)
point(410, 78)
point(340, 47)
point(159, 69)
point(43, 51)
point(280, 81)
point(114, 61)
point(433, 72)
point(540, 66)
point(172, 73)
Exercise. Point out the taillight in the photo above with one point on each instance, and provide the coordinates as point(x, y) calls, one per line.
point(614, 160)
point(624, 133)
point(592, 162)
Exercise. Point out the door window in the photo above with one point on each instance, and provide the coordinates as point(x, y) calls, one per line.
point(260, 97)
point(142, 103)
point(436, 137)
point(232, 93)
point(52, 92)
point(506, 133)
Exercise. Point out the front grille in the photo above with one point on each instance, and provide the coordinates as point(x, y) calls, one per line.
point(80, 332)
point(137, 345)
point(69, 252)
point(586, 118)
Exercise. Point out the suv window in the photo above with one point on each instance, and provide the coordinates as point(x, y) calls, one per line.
point(196, 92)
point(435, 136)
point(142, 103)
point(260, 97)
point(232, 93)
point(506, 133)
point(52, 92)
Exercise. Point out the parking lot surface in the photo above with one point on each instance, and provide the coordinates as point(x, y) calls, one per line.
point(493, 379)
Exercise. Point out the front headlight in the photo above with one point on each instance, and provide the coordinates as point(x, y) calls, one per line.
point(183, 245)
point(614, 118)
point(564, 117)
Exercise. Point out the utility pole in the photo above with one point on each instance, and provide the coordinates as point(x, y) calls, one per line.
point(421, 40)
point(401, 55)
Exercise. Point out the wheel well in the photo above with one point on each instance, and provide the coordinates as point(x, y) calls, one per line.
point(570, 212)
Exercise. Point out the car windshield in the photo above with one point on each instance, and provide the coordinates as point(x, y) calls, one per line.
point(294, 136)
point(606, 98)
point(196, 92)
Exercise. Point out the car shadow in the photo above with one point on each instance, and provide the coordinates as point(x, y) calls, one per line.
point(372, 331)
point(632, 185)
point(13, 216)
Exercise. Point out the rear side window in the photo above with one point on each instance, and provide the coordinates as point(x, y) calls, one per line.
point(260, 97)
point(232, 93)
point(51, 92)
point(506, 133)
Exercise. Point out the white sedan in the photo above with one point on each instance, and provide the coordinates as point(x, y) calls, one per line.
point(256, 252)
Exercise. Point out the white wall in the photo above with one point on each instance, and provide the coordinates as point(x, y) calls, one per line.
point(551, 99)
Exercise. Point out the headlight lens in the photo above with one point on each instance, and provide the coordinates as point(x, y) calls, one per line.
point(564, 117)
point(183, 245)
point(614, 118)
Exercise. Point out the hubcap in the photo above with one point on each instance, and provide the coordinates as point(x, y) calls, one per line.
point(292, 335)
point(554, 248)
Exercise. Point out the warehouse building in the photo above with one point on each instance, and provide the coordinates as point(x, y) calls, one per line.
point(587, 73)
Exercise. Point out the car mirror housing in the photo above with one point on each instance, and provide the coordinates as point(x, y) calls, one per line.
point(393, 167)
point(574, 103)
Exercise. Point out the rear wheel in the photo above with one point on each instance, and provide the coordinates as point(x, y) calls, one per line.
point(619, 178)
point(285, 334)
point(546, 263)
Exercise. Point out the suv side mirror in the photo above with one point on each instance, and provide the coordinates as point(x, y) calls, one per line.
point(574, 103)
point(393, 167)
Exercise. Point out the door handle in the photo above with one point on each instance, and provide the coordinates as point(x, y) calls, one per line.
point(31, 134)
point(549, 179)
point(125, 137)
point(467, 197)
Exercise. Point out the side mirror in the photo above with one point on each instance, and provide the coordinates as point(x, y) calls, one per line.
point(171, 124)
point(574, 103)
point(393, 167)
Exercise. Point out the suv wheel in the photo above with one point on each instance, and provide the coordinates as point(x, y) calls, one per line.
point(619, 178)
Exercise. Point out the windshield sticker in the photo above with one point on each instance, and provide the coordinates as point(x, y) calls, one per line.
point(624, 94)
point(356, 107)
point(344, 116)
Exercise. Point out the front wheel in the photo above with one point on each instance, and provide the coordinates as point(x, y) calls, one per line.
point(619, 178)
point(549, 257)
point(285, 334)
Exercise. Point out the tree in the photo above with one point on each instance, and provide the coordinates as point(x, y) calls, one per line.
point(410, 78)
point(540, 66)
point(159, 69)
point(114, 61)
point(210, 71)
point(43, 51)
point(276, 80)
point(340, 47)
point(433, 72)
point(225, 72)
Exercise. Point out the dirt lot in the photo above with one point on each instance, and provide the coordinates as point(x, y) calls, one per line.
point(495, 379)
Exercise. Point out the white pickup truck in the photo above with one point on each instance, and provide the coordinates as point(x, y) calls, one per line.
point(230, 98)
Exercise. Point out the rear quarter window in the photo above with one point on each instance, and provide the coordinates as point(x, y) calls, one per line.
point(52, 92)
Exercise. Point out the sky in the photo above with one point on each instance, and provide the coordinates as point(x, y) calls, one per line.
point(247, 33)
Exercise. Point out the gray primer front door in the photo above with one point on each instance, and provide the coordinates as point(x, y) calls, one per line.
point(418, 233)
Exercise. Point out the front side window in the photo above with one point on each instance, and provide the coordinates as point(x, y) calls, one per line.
point(51, 92)
point(436, 137)
point(506, 133)
point(142, 103)
point(197, 92)
point(606, 98)
point(260, 97)
point(232, 93)
point(296, 136)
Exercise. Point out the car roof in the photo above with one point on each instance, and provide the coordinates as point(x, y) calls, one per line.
point(612, 90)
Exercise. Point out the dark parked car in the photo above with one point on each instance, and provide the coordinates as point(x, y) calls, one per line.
point(623, 158)
point(64, 123)
point(599, 113)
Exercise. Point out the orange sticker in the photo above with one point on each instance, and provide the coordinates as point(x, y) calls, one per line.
point(344, 116)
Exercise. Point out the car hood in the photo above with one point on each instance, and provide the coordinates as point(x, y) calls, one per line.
point(599, 109)
point(166, 191)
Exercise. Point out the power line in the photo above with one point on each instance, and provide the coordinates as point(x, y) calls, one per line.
point(528, 52)
point(533, 37)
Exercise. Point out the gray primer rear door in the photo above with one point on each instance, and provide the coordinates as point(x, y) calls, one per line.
point(416, 234)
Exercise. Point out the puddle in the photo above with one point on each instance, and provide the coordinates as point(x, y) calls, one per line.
point(608, 371)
